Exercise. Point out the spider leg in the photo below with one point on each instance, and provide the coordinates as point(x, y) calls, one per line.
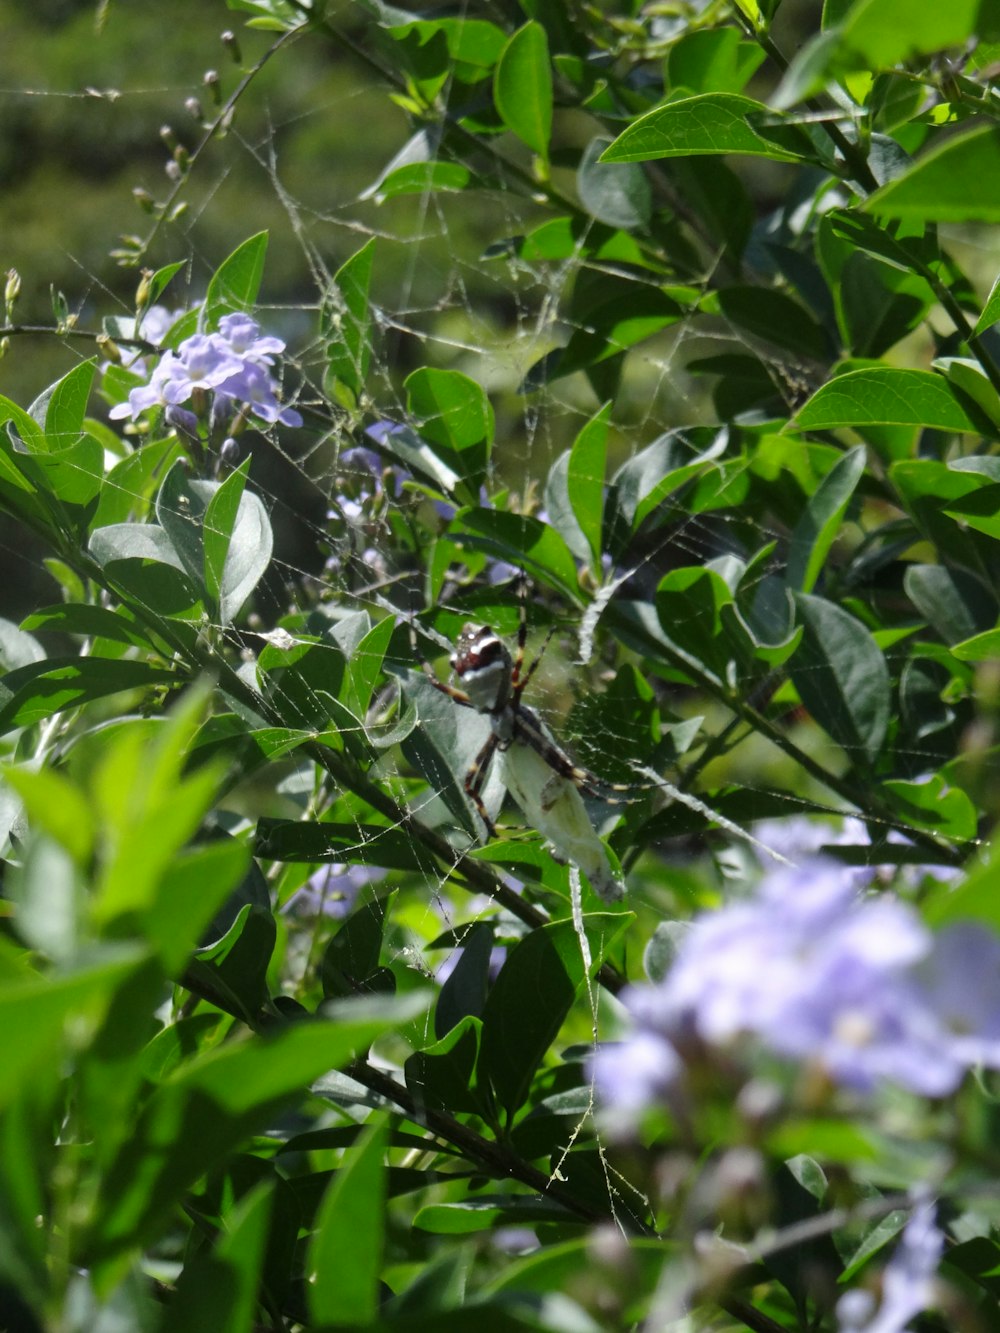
point(476, 776)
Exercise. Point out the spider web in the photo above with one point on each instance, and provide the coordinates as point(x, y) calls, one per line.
point(450, 290)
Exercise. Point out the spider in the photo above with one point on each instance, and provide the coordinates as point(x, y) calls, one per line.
point(541, 777)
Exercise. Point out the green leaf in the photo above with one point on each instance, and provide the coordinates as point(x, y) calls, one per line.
point(991, 310)
point(618, 194)
point(585, 479)
point(422, 178)
point(43, 688)
point(453, 411)
point(877, 34)
point(321, 843)
point(522, 87)
point(520, 540)
point(56, 805)
point(61, 409)
point(708, 123)
point(933, 805)
point(351, 959)
point(956, 603)
point(884, 396)
point(346, 323)
point(344, 1260)
point(214, 1101)
point(712, 60)
point(237, 541)
point(842, 677)
point(89, 622)
point(957, 181)
point(532, 996)
point(36, 1011)
point(217, 1289)
point(817, 529)
point(236, 282)
point(689, 605)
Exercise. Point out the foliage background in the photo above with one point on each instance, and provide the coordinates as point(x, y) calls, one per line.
point(242, 1087)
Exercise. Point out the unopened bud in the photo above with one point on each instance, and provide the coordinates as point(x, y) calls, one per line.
point(193, 107)
point(182, 157)
point(229, 451)
point(183, 420)
point(13, 288)
point(173, 171)
point(168, 136)
point(109, 349)
point(144, 199)
point(228, 40)
point(4, 347)
point(144, 290)
point(211, 81)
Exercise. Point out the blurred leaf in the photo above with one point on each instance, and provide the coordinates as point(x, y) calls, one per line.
point(991, 310)
point(713, 60)
point(345, 1253)
point(618, 194)
point(522, 87)
point(880, 33)
point(350, 963)
point(933, 805)
point(57, 806)
point(213, 1102)
point(842, 677)
point(522, 541)
point(217, 1290)
point(41, 689)
point(957, 181)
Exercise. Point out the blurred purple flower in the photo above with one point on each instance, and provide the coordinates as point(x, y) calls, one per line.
point(233, 364)
point(817, 974)
point(333, 890)
point(908, 1282)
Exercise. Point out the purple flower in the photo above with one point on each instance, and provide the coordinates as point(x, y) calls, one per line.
point(908, 1282)
point(233, 364)
point(817, 974)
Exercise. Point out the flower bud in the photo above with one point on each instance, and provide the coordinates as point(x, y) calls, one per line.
point(168, 136)
point(13, 288)
point(211, 81)
point(228, 40)
point(229, 451)
point(144, 199)
point(193, 107)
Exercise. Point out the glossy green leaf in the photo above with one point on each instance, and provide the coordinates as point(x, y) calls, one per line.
point(886, 396)
point(705, 124)
point(842, 677)
point(346, 320)
point(423, 178)
point(819, 525)
point(350, 962)
point(933, 805)
point(451, 408)
point(345, 1254)
point(237, 542)
point(235, 284)
point(522, 87)
point(957, 181)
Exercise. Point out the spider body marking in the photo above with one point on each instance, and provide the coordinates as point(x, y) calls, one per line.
point(539, 775)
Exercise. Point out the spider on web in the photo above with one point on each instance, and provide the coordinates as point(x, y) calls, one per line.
point(538, 773)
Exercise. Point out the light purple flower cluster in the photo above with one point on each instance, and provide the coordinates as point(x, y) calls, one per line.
point(816, 974)
point(908, 1282)
point(233, 364)
point(333, 890)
